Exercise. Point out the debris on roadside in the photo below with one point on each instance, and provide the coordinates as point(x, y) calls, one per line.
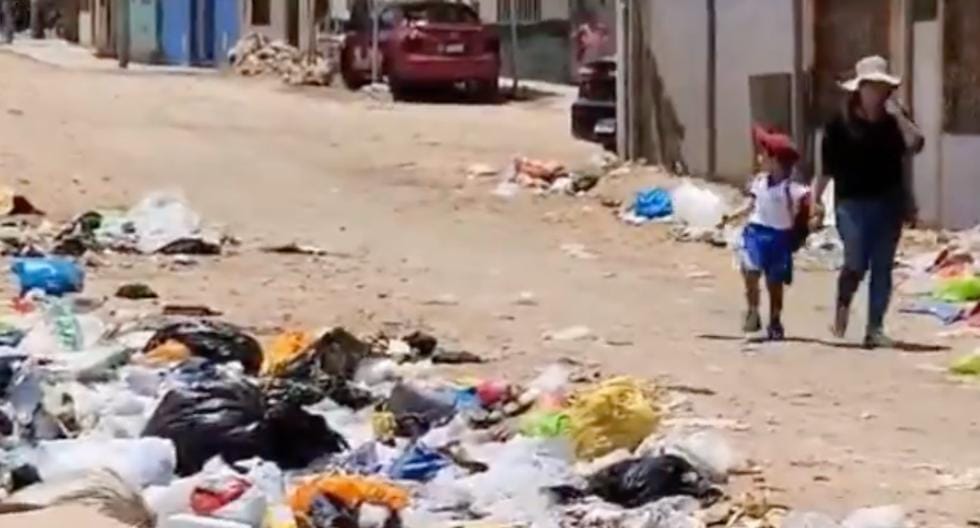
point(136, 291)
point(255, 54)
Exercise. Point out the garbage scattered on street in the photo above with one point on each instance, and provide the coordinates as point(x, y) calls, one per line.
point(650, 204)
point(255, 54)
point(209, 425)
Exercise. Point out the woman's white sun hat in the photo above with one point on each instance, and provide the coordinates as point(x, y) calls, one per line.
point(873, 69)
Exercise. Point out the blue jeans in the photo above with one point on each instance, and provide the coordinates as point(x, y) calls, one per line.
point(870, 230)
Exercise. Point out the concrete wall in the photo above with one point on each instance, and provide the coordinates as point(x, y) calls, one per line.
point(753, 37)
point(927, 87)
point(960, 181)
point(85, 29)
point(677, 30)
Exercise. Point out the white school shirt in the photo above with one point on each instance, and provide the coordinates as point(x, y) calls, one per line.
point(771, 208)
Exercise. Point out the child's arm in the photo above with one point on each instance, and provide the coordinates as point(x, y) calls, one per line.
point(739, 213)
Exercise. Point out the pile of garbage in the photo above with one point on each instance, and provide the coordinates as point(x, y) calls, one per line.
point(208, 426)
point(256, 54)
point(161, 223)
point(544, 177)
point(944, 282)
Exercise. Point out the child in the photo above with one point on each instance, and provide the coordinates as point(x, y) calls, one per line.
point(775, 205)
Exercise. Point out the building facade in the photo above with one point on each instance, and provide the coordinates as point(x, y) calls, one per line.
point(699, 73)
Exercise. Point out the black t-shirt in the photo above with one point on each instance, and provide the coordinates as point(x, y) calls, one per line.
point(865, 158)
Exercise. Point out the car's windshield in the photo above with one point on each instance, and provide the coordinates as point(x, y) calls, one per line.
point(440, 13)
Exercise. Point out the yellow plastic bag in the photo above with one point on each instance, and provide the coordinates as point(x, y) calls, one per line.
point(352, 490)
point(383, 425)
point(284, 348)
point(615, 414)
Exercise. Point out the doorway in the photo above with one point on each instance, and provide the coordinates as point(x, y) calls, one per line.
point(844, 32)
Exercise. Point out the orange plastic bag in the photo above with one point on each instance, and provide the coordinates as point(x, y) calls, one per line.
point(352, 490)
point(284, 348)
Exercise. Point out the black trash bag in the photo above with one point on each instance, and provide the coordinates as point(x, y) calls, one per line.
point(191, 246)
point(338, 353)
point(298, 437)
point(638, 481)
point(421, 343)
point(230, 417)
point(213, 340)
point(313, 388)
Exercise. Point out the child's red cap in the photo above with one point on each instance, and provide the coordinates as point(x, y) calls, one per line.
point(776, 145)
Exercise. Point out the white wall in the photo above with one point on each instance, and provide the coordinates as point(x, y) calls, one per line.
point(961, 181)
point(927, 89)
point(753, 37)
point(677, 29)
point(554, 9)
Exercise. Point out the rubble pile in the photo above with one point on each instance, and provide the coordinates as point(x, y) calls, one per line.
point(255, 54)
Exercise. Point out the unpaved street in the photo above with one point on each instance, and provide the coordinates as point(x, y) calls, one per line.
point(384, 187)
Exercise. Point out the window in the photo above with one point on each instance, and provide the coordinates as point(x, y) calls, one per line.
point(527, 10)
point(261, 13)
point(925, 10)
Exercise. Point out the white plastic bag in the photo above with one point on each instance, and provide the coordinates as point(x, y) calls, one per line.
point(162, 218)
point(707, 450)
point(697, 207)
point(140, 462)
point(797, 519)
point(881, 517)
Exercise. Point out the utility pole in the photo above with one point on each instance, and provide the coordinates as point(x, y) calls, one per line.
point(375, 31)
point(624, 69)
point(515, 71)
point(37, 24)
point(122, 32)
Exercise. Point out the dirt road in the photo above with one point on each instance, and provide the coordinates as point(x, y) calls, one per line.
point(835, 428)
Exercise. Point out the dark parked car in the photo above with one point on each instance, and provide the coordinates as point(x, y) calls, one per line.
point(594, 112)
point(424, 44)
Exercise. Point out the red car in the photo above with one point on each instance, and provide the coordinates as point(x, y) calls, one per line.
point(423, 44)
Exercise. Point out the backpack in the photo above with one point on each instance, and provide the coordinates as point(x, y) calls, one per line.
point(801, 220)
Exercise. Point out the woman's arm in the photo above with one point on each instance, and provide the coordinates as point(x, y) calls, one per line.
point(911, 134)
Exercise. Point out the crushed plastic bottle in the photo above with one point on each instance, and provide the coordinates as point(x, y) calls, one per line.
point(60, 318)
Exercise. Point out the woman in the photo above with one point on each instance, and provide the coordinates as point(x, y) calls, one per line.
point(864, 149)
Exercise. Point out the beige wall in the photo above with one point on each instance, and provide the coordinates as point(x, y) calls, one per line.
point(753, 37)
point(676, 34)
point(960, 189)
point(927, 88)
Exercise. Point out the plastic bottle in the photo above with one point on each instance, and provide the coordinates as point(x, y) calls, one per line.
point(61, 319)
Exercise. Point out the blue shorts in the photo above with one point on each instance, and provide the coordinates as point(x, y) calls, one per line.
point(768, 251)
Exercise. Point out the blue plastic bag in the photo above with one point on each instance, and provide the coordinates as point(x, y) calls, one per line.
point(653, 203)
point(52, 275)
point(419, 463)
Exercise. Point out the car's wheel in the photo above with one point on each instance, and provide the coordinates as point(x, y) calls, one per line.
point(488, 91)
point(399, 89)
point(352, 80)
